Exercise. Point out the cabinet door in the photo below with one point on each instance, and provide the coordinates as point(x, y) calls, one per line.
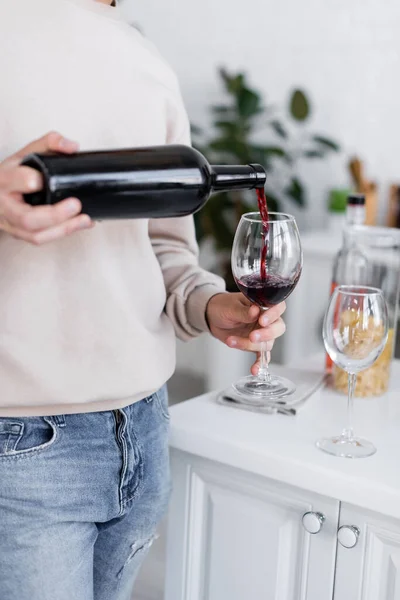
point(235, 536)
point(371, 569)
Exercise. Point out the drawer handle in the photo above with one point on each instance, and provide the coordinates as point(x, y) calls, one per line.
point(348, 536)
point(313, 522)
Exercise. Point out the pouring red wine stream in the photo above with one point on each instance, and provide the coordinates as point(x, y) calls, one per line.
point(263, 208)
point(265, 289)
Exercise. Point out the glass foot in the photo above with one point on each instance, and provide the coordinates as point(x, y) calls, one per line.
point(260, 392)
point(346, 447)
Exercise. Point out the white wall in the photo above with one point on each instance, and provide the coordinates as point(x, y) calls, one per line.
point(344, 53)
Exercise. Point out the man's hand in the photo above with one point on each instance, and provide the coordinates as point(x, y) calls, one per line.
point(240, 324)
point(37, 224)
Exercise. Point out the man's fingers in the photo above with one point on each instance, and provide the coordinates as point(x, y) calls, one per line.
point(272, 314)
point(39, 238)
point(252, 343)
point(20, 179)
point(242, 310)
point(37, 224)
point(34, 218)
point(43, 217)
point(51, 142)
point(54, 233)
point(247, 312)
point(245, 344)
point(271, 332)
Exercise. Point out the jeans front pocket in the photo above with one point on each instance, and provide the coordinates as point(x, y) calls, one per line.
point(10, 434)
point(161, 399)
point(26, 436)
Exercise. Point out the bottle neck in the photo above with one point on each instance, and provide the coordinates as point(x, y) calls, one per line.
point(355, 214)
point(237, 177)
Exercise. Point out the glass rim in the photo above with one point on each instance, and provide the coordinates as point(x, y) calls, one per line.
point(255, 217)
point(358, 290)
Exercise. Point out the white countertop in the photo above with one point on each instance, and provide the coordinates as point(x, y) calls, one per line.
point(283, 447)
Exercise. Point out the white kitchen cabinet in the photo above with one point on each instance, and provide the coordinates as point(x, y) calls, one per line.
point(240, 536)
point(233, 536)
point(243, 482)
point(371, 569)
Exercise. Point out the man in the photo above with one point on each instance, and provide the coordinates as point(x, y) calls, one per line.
point(87, 334)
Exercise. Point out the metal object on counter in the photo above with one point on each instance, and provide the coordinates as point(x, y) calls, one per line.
point(280, 407)
point(271, 409)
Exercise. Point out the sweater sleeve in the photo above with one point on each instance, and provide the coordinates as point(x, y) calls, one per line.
point(189, 287)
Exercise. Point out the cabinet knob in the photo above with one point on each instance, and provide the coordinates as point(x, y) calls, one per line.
point(348, 536)
point(313, 522)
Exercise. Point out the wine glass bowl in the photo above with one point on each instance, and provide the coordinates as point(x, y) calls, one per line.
point(355, 333)
point(275, 242)
point(266, 264)
point(357, 338)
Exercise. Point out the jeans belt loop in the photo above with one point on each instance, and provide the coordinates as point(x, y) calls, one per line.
point(59, 420)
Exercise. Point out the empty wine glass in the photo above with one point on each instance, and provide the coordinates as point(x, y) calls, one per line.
point(266, 264)
point(355, 333)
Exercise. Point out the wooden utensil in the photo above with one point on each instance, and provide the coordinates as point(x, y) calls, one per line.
point(366, 187)
point(394, 207)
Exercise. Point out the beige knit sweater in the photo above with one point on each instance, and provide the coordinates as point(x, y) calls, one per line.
point(89, 323)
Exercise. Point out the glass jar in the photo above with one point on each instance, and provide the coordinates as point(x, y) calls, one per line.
point(378, 251)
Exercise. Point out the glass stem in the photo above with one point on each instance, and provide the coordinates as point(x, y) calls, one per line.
point(348, 433)
point(263, 372)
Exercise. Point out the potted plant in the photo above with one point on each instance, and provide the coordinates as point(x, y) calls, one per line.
point(246, 129)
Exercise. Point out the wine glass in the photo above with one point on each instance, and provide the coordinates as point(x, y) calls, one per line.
point(355, 333)
point(266, 264)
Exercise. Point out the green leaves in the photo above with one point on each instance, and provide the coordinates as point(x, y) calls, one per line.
point(314, 154)
point(236, 138)
point(232, 146)
point(214, 220)
point(195, 130)
point(272, 202)
point(299, 106)
point(264, 155)
point(274, 151)
point(296, 191)
point(326, 143)
point(248, 103)
point(279, 129)
point(233, 83)
point(224, 112)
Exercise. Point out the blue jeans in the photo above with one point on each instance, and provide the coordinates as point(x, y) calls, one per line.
point(80, 499)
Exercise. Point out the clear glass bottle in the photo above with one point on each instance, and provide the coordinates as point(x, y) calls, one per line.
point(380, 247)
point(350, 266)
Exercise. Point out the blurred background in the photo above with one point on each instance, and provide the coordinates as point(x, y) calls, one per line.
point(309, 89)
point(305, 88)
point(343, 53)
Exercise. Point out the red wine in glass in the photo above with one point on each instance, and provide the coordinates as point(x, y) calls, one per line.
point(268, 291)
point(262, 206)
